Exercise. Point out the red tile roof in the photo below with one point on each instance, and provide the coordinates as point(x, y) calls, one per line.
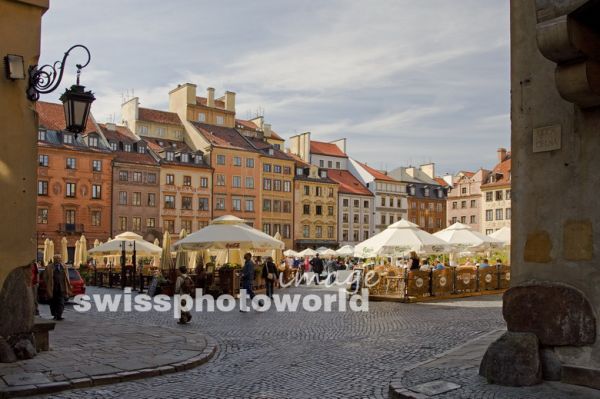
point(332, 150)
point(154, 115)
point(123, 134)
point(52, 117)
point(376, 173)
point(249, 125)
point(225, 137)
point(299, 161)
point(503, 171)
point(264, 147)
point(441, 182)
point(348, 183)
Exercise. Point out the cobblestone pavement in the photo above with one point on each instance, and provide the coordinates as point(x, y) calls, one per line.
point(306, 354)
point(457, 373)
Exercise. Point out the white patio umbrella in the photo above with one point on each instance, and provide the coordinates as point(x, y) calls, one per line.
point(307, 252)
point(182, 256)
point(229, 232)
point(462, 237)
point(113, 247)
point(96, 242)
point(48, 250)
point(64, 254)
point(502, 235)
point(321, 250)
point(328, 252)
point(399, 238)
point(165, 256)
point(346, 250)
point(290, 253)
point(83, 252)
point(77, 255)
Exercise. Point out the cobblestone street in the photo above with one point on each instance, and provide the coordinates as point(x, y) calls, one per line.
point(307, 355)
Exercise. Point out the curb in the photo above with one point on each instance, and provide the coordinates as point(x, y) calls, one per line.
point(398, 391)
point(103, 379)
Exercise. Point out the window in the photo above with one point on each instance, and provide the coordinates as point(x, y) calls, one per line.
point(276, 205)
point(150, 222)
point(160, 131)
point(287, 186)
point(319, 191)
point(330, 210)
point(382, 219)
point(71, 163)
point(169, 226)
point(344, 235)
point(287, 170)
point(185, 158)
point(365, 204)
point(321, 163)
point(330, 194)
point(249, 205)
point(306, 209)
point(463, 204)
point(366, 218)
point(136, 199)
point(143, 129)
point(345, 202)
point(345, 218)
point(267, 167)
point(123, 223)
point(127, 147)
point(277, 168)
point(507, 214)
point(220, 180)
point(96, 191)
point(151, 199)
point(220, 120)
point(500, 214)
point(507, 194)
point(93, 141)
point(42, 135)
point(187, 181)
point(236, 204)
point(71, 190)
point(473, 219)
point(277, 185)
point(489, 215)
point(178, 136)
point(287, 206)
point(123, 175)
point(204, 182)
point(489, 231)
point(267, 184)
point(113, 146)
point(489, 196)
point(355, 235)
point(137, 177)
point(70, 216)
point(203, 204)
point(42, 187)
point(330, 232)
point(382, 201)
point(499, 195)
point(365, 234)
point(249, 182)
point(473, 204)
point(426, 192)
point(220, 159)
point(267, 205)
point(122, 197)
point(96, 165)
point(306, 190)
point(287, 231)
point(236, 182)
point(249, 162)
point(220, 203)
point(96, 218)
point(186, 225)
point(237, 161)
point(454, 205)
point(355, 218)
point(186, 203)
point(141, 149)
point(338, 165)
point(267, 228)
point(440, 207)
point(170, 179)
point(454, 219)
point(318, 231)
point(170, 156)
point(43, 160)
point(463, 219)
point(201, 117)
point(68, 138)
point(42, 216)
point(169, 202)
point(136, 223)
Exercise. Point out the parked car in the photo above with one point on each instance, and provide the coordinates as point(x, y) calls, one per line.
point(77, 284)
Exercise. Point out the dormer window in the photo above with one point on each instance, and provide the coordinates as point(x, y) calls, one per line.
point(440, 193)
point(299, 171)
point(185, 158)
point(323, 174)
point(127, 147)
point(67, 138)
point(412, 190)
point(271, 151)
point(141, 149)
point(113, 146)
point(198, 160)
point(169, 155)
point(426, 191)
point(42, 135)
point(93, 141)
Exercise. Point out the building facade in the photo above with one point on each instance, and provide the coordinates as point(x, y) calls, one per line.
point(496, 210)
point(464, 199)
point(74, 185)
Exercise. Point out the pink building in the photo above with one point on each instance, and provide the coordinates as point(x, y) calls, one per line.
point(464, 199)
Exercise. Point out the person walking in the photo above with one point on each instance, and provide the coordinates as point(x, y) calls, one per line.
point(269, 274)
point(184, 285)
point(35, 280)
point(317, 267)
point(58, 287)
point(248, 276)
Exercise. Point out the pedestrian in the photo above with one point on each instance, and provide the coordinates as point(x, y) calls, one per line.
point(317, 267)
point(184, 285)
point(269, 274)
point(332, 268)
point(414, 261)
point(35, 280)
point(484, 264)
point(58, 287)
point(248, 276)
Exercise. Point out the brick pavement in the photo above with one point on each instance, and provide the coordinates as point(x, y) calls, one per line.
point(306, 355)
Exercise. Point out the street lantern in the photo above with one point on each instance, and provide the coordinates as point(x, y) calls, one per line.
point(76, 101)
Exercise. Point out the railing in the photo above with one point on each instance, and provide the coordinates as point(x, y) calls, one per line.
point(70, 228)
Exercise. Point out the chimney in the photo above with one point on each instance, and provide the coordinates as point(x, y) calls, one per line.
point(110, 126)
point(428, 169)
point(230, 101)
point(410, 171)
point(210, 97)
point(501, 154)
point(267, 129)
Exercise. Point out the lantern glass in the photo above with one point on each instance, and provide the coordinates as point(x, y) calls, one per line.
point(77, 103)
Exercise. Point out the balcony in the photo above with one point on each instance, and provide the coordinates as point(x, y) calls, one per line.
point(70, 228)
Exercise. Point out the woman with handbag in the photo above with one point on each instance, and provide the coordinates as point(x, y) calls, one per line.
point(269, 273)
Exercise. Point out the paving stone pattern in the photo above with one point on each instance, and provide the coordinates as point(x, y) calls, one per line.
point(304, 354)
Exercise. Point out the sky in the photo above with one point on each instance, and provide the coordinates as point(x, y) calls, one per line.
point(406, 82)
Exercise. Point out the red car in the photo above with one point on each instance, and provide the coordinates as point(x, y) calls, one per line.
point(77, 284)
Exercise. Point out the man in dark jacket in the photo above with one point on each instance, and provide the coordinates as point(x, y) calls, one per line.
point(269, 274)
point(317, 267)
point(248, 275)
point(58, 286)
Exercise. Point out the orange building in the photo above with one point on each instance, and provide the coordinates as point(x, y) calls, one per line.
point(74, 181)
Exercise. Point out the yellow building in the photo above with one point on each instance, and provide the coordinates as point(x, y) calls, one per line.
point(315, 210)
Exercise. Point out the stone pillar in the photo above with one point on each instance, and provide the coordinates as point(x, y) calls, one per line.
point(20, 26)
point(555, 114)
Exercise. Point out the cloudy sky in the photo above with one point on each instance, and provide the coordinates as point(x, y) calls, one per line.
point(406, 82)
